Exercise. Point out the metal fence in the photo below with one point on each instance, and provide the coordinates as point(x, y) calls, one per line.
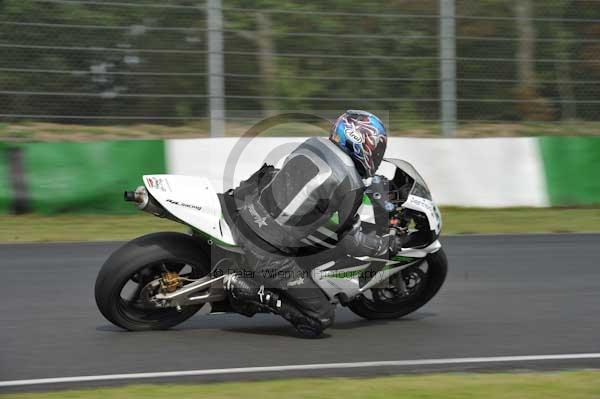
point(431, 64)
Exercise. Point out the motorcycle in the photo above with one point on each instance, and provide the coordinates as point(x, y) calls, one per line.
point(160, 280)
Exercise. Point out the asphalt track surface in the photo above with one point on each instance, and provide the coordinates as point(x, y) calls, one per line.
point(504, 296)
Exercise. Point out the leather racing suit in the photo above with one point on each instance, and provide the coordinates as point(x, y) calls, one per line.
point(286, 219)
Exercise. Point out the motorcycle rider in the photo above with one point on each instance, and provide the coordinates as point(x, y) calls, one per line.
point(285, 219)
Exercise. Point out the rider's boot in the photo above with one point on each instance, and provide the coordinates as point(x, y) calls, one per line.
point(243, 296)
point(246, 291)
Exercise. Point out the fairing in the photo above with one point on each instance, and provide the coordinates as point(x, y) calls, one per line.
point(419, 198)
point(193, 201)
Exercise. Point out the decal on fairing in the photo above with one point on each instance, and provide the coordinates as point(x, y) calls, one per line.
point(428, 208)
point(196, 207)
point(158, 183)
point(193, 201)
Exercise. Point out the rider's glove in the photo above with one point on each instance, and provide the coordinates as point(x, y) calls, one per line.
point(396, 242)
point(358, 243)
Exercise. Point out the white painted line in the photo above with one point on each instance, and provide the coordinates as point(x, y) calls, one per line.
point(300, 367)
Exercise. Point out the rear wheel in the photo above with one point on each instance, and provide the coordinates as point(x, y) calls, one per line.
point(405, 292)
point(130, 277)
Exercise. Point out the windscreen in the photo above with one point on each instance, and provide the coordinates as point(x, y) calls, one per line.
point(419, 188)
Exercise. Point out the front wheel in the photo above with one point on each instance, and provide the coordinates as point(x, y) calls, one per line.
point(125, 279)
point(406, 292)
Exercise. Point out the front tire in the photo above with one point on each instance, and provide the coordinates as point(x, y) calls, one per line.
point(437, 268)
point(141, 257)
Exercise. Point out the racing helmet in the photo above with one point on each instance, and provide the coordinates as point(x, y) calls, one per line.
point(363, 137)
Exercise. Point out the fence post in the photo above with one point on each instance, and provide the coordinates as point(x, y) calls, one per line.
point(448, 66)
point(216, 83)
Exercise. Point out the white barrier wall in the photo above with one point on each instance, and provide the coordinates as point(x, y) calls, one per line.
point(478, 172)
point(209, 157)
point(460, 172)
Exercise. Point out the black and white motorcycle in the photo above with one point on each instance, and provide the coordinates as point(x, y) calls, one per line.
point(159, 280)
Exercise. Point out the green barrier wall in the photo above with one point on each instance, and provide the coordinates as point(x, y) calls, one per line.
point(572, 166)
point(5, 190)
point(88, 177)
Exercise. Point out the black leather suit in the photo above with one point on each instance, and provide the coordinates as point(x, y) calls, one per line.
point(287, 219)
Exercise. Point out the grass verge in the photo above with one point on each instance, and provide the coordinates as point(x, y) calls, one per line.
point(26, 131)
point(520, 220)
point(572, 385)
point(34, 228)
point(456, 221)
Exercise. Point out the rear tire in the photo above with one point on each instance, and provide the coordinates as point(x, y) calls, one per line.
point(135, 256)
point(436, 275)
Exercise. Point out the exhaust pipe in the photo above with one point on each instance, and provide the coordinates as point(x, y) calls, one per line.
point(147, 203)
point(129, 196)
point(140, 196)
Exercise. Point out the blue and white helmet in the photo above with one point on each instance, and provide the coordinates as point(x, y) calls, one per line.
point(363, 137)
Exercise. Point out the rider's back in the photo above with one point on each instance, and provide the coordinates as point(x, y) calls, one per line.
point(291, 208)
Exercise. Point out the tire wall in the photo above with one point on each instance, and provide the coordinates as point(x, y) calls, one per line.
point(90, 177)
point(572, 167)
point(79, 177)
point(6, 194)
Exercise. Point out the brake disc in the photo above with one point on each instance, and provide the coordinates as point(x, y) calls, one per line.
point(148, 294)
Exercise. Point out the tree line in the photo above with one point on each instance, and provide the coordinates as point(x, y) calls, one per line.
point(518, 60)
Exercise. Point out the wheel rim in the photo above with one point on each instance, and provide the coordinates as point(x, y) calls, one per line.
point(398, 292)
point(132, 306)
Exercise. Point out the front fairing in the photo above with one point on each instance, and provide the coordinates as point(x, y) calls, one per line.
point(419, 197)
